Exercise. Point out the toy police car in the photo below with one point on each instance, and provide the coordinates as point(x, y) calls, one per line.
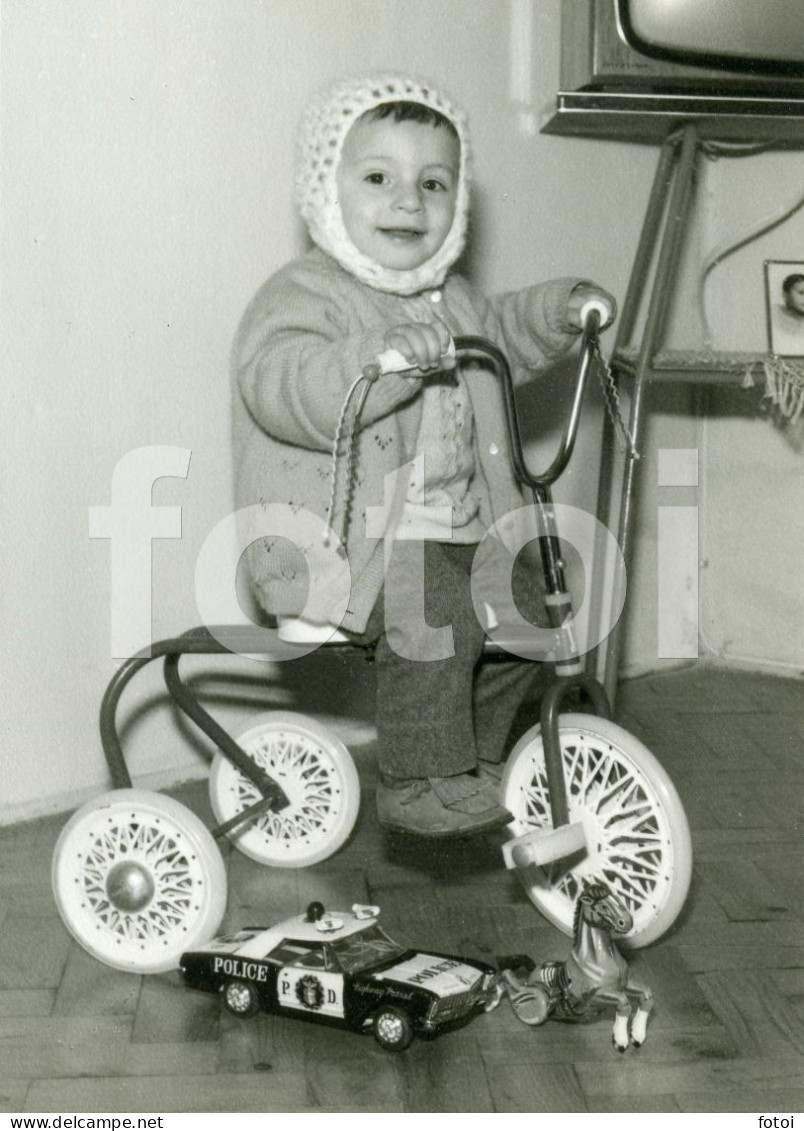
point(342, 969)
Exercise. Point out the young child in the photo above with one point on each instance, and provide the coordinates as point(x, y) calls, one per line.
point(383, 184)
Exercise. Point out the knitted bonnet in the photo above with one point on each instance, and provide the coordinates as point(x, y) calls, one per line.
point(323, 131)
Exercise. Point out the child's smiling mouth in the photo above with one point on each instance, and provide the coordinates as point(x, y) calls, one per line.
point(404, 235)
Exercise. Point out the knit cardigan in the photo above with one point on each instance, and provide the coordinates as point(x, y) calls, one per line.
point(302, 342)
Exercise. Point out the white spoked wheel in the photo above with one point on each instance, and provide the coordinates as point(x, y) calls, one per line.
point(636, 832)
point(138, 879)
point(316, 772)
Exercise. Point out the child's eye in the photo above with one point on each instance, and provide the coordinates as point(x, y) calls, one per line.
point(432, 184)
point(376, 178)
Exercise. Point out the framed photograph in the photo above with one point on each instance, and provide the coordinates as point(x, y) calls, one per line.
point(784, 302)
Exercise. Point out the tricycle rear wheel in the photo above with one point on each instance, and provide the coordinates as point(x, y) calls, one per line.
point(319, 777)
point(138, 879)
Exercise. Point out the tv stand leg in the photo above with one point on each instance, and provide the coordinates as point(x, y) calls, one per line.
point(663, 225)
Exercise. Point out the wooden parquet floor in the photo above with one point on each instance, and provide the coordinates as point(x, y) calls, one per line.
point(727, 1033)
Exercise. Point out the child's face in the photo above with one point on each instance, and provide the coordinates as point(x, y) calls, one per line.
point(794, 297)
point(397, 186)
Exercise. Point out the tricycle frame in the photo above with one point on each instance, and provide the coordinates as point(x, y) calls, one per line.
point(137, 876)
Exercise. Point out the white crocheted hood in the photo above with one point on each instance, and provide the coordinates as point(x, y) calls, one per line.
point(323, 131)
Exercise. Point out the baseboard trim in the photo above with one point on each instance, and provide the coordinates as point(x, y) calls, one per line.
point(353, 732)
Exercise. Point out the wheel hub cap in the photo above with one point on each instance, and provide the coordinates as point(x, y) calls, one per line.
point(390, 1028)
point(129, 886)
point(238, 997)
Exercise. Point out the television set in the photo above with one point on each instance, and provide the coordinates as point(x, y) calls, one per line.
point(751, 39)
point(640, 68)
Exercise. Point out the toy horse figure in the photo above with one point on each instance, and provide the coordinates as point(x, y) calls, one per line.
point(593, 978)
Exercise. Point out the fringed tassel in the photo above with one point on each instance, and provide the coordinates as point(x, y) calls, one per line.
point(784, 384)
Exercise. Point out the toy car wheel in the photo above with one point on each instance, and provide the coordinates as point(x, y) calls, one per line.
point(636, 832)
point(392, 1028)
point(241, 999)
point(317, 773)
point(138, 879)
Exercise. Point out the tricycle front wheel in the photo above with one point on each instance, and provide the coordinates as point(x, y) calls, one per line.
point(636, 831)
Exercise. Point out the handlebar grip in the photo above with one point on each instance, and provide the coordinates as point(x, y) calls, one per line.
point(392, 361)
point(602, 309)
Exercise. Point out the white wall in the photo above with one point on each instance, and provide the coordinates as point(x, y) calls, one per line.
point(147, 162)
point(752, 491)
point(749, 497)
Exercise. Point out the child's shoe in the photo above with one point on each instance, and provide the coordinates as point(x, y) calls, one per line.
point(469, 793)
point(441, 808)
point(491, 771)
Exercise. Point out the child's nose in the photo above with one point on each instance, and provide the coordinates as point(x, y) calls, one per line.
point(408, 198)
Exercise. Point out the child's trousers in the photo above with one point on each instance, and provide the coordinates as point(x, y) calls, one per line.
point(439, 710)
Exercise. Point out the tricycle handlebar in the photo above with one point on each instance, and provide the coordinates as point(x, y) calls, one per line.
point(539, 482)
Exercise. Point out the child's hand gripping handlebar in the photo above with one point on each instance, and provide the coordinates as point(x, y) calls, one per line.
point(393, 361)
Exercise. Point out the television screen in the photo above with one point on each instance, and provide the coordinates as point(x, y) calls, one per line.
point(639, 69)
point(749, 35)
